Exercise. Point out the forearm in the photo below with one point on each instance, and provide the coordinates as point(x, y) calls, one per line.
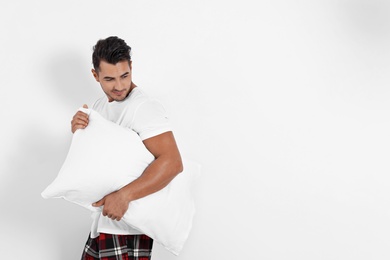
point(155, 177)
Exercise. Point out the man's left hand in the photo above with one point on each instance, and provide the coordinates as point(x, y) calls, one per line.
point(114, 205)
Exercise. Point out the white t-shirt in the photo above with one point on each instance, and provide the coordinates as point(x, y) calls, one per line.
point(144, 115)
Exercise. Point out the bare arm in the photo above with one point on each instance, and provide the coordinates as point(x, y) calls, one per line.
point(157, 175)
point(161, 171)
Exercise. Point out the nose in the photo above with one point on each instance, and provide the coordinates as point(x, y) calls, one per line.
point(119, 86)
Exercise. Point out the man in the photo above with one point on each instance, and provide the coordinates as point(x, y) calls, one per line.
point(127, 105)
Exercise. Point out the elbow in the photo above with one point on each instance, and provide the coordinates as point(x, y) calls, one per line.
point(178, 166)
point(172, 165)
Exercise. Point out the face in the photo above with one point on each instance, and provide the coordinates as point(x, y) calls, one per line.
point(115, 80)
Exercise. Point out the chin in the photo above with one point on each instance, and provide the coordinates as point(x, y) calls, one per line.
point(118, 98)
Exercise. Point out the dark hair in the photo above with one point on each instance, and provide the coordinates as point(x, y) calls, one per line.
point(111, 50)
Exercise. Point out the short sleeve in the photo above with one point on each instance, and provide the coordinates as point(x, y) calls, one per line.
point(151, 119)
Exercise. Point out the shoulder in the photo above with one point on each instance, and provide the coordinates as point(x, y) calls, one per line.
point(139, 95)
point(141, 101)
point(150, 117)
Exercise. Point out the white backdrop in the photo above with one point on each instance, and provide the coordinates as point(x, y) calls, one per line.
point(284, 103)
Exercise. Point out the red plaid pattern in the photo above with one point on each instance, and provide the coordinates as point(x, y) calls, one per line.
point(118, 247)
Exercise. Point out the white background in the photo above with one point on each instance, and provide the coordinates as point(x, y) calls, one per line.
point(284, 103)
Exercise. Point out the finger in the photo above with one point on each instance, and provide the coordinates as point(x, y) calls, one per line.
point(80, 122)
point(79, 119)
point(77, 127)
point(117, 218)
point(82, 113)
point(81, 116)
point(85, 106)
point(98, 203)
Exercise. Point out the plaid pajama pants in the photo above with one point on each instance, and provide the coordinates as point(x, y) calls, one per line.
point(118, 247)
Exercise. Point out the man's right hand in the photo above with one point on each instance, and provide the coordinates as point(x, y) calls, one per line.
point(80, 120)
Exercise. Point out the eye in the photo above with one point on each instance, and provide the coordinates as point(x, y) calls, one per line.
point(124, 76)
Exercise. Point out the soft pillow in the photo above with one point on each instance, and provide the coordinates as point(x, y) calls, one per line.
point(103, 158)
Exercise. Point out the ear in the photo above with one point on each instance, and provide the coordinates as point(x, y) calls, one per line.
point(95, 75)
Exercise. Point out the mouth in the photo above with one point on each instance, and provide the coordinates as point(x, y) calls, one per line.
point(119, 93)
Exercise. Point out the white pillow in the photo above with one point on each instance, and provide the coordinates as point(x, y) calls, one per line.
point(103, 158)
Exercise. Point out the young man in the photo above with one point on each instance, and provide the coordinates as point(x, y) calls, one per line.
point(127, 105)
